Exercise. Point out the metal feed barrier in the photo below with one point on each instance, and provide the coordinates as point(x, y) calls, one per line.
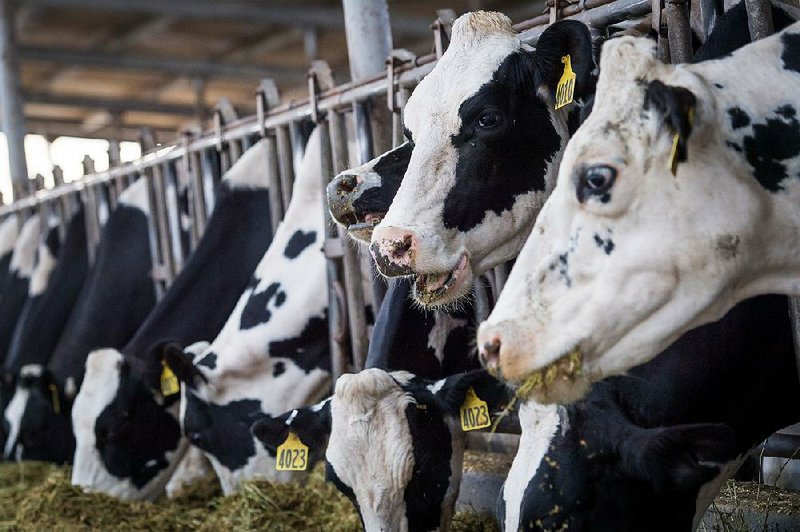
point(357, 120)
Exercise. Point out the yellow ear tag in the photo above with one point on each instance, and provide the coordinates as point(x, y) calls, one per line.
point(673, 154)
point(169, 382)
point(292, 454)
point(56, 401)
point(474, 412)
point(565, 89)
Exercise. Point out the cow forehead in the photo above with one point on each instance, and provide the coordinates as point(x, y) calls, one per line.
point(469, 63)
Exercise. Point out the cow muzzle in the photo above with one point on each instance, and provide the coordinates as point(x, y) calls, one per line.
point(394, 250)
point(343, 192)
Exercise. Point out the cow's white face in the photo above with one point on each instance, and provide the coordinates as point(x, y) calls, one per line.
point(484, 137)
point(625, 256)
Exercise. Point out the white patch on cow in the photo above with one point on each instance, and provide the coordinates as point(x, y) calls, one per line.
point(291, 418)
point(9, 230)
point(23, 258)
point(13, 415)
point(539, 425)
point(250, 171)
point(70, 388)
point(244, 366)
point(687, 247)
point(436, 386)
point(192, 467)
point(443, 325)
point(710, 489)
point(370, 451)
point(319, 406)
point(136, 196)
point(45, 264)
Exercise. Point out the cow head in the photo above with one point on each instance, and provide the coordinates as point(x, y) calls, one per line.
point(395, 446)
point(359, 198)
point(128, 439)
point(39, 418)
point(220, 402)
point(588, 467)
point(655, 225)
point(485, 137)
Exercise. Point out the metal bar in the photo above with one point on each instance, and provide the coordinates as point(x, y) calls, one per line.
point(336, 310)
point(11, 101)
point(274, 182)
point(167, 269)
point(598, 13)
point(759, 18)
point(173, 216)
point(369, 36)
point(286, 164)
point(171, 65)
point(678, 31)
point(152, 231)
point(287, 14)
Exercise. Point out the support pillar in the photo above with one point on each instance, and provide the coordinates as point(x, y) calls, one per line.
point(11, 102)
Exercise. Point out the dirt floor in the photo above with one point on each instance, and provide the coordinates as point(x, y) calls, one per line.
point(37, 496)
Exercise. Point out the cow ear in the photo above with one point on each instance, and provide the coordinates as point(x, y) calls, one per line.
point(312, 425)
point(676, 107)
point(181, 363)
point(453, 390)
point(561, 39)
point(678, 457)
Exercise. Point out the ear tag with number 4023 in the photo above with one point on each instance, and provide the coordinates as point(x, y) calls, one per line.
point(169, 382)
point(474, 412)
point(565, 89)
point(292, 454)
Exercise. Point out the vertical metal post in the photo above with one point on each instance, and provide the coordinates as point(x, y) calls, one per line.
point(266, 98)
point(114, 158)
point(11, 102)
point(170, 178)
point(284, 146)
point(680, 34)
point(759, 18)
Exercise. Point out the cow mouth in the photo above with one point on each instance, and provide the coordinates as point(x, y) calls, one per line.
point(361, 227)
point(434, 289)
point(559, 381)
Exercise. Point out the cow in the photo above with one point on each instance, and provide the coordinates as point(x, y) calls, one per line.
point(392, 442)
point(486, 141)
point(673, 204)
point(649, 451)
point(273, 353)
point(9, 231)
point(126, 429)
point(121, 272)
point(359, 198)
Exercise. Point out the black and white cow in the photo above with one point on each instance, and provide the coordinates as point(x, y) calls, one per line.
point(121, 273)
point(675, 201)
point(392, 442)
point(273, 353)
point(9, 231)
point(53, 291)
point(649, 451)
point(15, 290)
point(485, 145)
point(127, 433)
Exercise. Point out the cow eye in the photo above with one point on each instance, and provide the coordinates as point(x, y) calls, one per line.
point(595, 181)
point(488, 119)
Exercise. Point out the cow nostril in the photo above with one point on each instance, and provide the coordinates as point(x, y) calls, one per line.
point(347, 184)
point(402, 247)
point(491, 349)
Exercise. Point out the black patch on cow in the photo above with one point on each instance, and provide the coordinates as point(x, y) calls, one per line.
point(675, 106)
point(209, 361)
point(278, 369)
point(222, 430)
point(344, 489)
point(495, 165)
point(430, 477)
point(606, 244)
point(776, 140)
point(391, 168)
point(734, 146)
point(719, 85)
point(791, 51)
point(309, 350)
point(256, 311)
point(45, 435)
point(739, 118)
point(299, 241)
point(786, 111)
point(134, 433)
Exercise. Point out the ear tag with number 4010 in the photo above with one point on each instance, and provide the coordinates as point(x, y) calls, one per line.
point(169, 382)
point(565, 89)
point(474, 412)
point(292, 454)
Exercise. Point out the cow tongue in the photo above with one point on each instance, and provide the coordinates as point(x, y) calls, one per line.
point(432, 282)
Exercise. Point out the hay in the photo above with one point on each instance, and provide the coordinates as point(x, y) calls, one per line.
point(37, 497)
